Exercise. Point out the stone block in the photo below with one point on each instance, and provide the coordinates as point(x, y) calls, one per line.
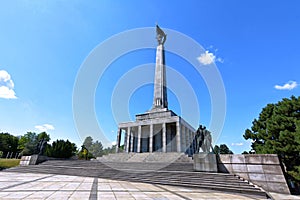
point(239, 168)
point(253, 159)
point(225, 158)
point(272, 169)
point(257, 177)
point(275, 178)
point(270, 159)
point(25, 160)
point(255, 168)
point(240, 159)
point(278, 187)
point(205, 162)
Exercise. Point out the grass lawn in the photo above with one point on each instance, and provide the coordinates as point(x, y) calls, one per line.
point(7, 163)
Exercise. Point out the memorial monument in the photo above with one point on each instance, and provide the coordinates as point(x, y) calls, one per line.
point(159, 129)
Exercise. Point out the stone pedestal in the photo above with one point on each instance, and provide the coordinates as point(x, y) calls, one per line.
point(205, 162)
point(32, 160)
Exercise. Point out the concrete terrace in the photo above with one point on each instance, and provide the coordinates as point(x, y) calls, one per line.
point(16, 185)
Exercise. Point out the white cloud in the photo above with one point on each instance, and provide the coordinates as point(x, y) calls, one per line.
point(44, 127)
point(6, 86)
point(206, 58)
point(237, 144)
point(7, 93)
point(288, 86)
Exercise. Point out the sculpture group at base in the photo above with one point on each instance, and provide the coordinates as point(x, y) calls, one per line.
point(203, 139)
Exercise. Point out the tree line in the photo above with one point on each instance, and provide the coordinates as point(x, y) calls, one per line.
point(30, 143)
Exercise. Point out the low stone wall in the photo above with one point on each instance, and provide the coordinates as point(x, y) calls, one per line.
point(32, 160)
point(263, 170)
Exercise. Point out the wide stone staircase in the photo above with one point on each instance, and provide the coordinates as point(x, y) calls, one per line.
point(176, 174)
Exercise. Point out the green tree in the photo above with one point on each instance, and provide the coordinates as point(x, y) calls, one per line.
point(222, 149)
point(88, 142)
point(28, 143)
point(8, 143)
point(245, 152)
point(43, 136)
point(109, 150)
point(216, 149)
point(97, 149)
point(61, 149)
point(277, 131)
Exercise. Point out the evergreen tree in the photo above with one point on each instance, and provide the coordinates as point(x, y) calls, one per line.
point(88, 142)
point(97, 149)
point(61, 149)
point(277, 131)
point(94, 148)
point(222, 149)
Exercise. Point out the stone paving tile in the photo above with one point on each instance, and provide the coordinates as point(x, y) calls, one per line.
point(39, 195)
point(61, 195)
point(80, 195)
point(103, 186)
point(85, 186)
point(15, 195)
point(55, 186)
point(140, 195)
point(72, 187)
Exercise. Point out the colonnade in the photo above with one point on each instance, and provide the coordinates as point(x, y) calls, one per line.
point(162, 137)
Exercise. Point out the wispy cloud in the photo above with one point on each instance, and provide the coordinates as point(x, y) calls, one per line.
point(6, 86)
point(208, 57)
point(288, 86)
point(237, 144)
point(44, 127)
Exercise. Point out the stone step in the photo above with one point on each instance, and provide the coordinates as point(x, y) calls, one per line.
point(146, 157)
point(214, 181)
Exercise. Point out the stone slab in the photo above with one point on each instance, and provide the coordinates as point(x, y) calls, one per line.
point(205, 162)
point(263, 170)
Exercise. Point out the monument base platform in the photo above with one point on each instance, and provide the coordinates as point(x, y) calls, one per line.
point(205, 162)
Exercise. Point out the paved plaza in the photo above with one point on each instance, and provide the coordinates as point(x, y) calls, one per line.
point(15, 185)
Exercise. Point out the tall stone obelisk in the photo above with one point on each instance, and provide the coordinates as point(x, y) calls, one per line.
point(160, 101)
point(159, 129)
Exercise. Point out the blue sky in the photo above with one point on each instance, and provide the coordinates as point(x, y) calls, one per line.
point(43, 45)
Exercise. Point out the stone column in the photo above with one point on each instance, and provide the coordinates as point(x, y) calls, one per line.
point(151, 139)
point(193, 144)
point(139, 138)
point(118, 140)
point(190, 142)
point(178, 137)
point(186, 138)
point(183, 138)
point(164, 138)
point(131, 141)
point(127, 139)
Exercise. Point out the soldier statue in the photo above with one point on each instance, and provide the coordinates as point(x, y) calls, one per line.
point(204, 140)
